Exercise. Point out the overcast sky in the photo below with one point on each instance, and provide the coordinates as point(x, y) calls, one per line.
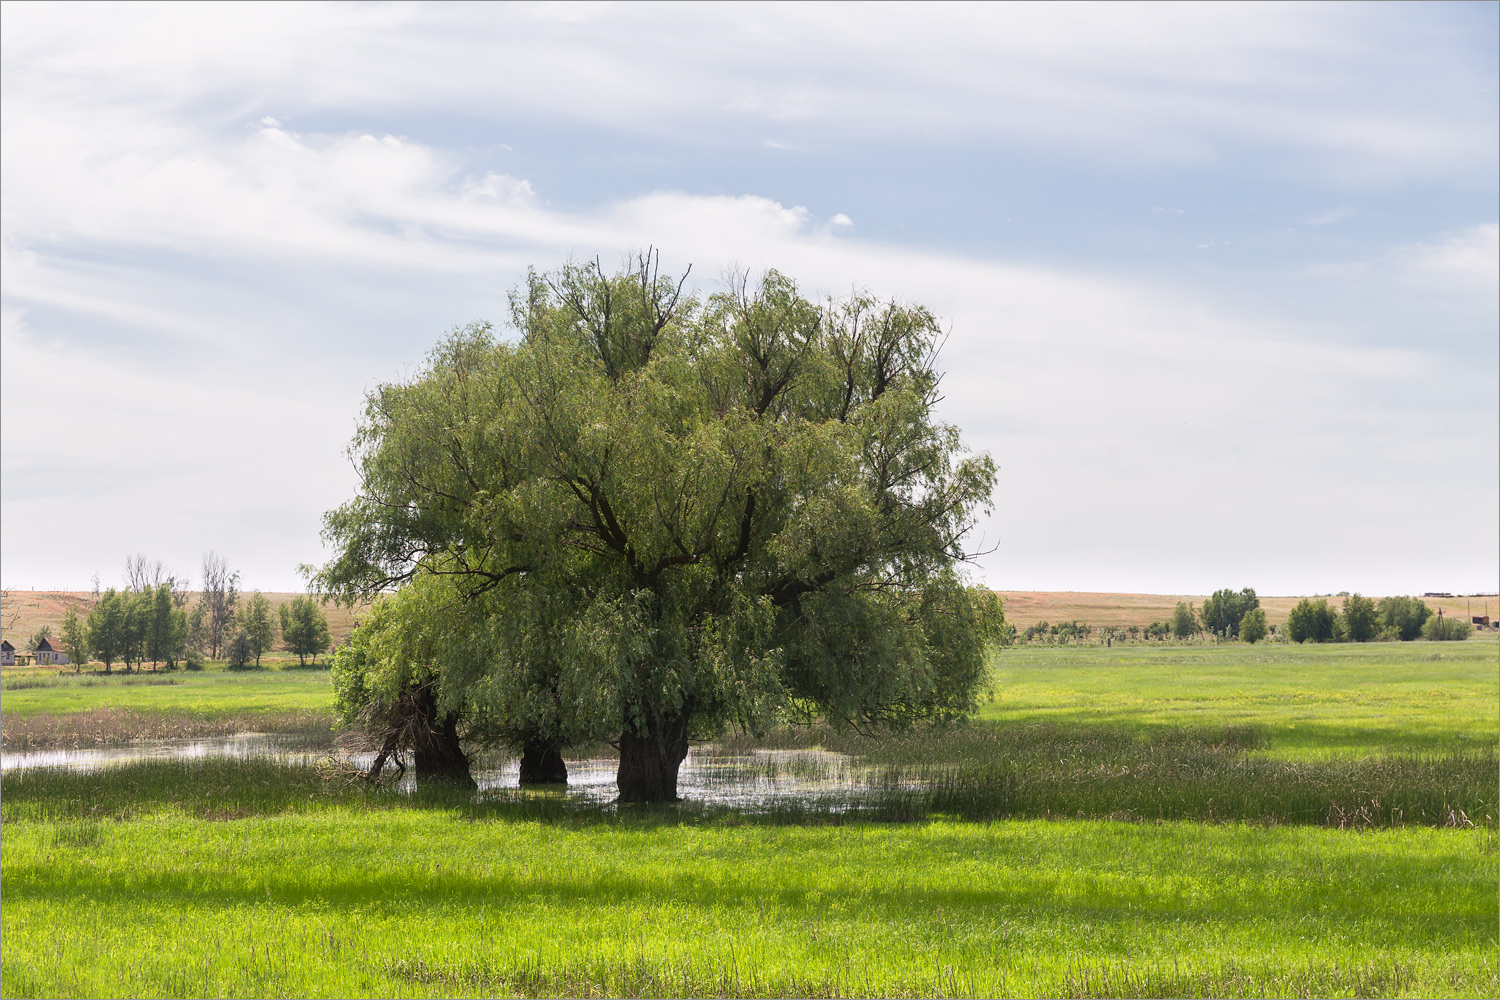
point(1221, 279)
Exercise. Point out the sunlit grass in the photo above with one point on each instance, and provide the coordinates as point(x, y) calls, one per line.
point(63, 709)
point(985, 861)
point(371, 894)
point(1305, 700)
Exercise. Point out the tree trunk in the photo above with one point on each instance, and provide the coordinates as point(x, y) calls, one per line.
point(542, 764)
point(649, 762)
point(435, 742)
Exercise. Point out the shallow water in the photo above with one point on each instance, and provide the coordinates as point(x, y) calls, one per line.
point(759, 779)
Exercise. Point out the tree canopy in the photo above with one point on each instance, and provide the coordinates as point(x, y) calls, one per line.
point(650, 517)
point(1185, 621)
point(1312, 621)
point(1403, 616)
point(1225, 609)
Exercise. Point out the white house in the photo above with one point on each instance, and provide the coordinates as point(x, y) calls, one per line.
point(7, 653)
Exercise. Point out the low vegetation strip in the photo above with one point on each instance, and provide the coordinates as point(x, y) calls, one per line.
point(1209, 774)
point(383, 895)
point(111, 726)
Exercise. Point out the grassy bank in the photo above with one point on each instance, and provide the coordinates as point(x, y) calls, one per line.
point(69, 710)
point(291, 890)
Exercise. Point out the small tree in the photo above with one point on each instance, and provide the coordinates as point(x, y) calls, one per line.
point(1185, 621)
point(168, 628)
point(1311, 621)
point(106, 628)
point(1404, 615)
point(1253, 625)
point(304, 627)
point(1223, 611)
point(75, 638)
point(1361, 620)
point(1439, 628)
point(219, 601)
point(238, 650)
point(259, 627)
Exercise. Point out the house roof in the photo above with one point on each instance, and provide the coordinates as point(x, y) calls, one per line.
point(5, 645)
point(44, 644)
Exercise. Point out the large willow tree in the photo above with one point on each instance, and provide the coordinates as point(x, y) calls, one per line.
point(649, 518)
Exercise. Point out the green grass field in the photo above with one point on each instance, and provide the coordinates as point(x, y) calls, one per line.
point(1225, 872)
point(53, 708)
point(1351, 698)
point(296, 889)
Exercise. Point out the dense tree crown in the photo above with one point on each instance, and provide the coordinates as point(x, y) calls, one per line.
point(1312, 621)
point(650, 517)
point(1225, 609)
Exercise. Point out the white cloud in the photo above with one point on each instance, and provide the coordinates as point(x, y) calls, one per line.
point(1148, 435)
point(1468, 259)
point(1099, 397)
point(1371, 89)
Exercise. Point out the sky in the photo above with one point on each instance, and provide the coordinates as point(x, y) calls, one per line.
point(1221, 280)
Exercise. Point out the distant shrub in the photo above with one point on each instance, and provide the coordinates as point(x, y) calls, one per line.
point(1223, 612)
point(1360, 619)
point(239, 650)
point(1404, 614)
point(1185, 621)
point(1311, 621)
point(1440, 629)
point(1253, 625)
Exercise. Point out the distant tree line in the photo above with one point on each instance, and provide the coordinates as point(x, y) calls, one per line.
point(1361, 619)
point(1237, 614)
point(149, 621)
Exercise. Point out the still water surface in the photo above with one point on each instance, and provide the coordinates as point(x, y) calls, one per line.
point(756, 780)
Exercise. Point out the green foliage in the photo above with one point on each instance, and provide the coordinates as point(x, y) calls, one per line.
point(239, 650)
point(259, 626)
point(75, 637)
point(1253, 625)
point(678, 516)
point(1360, 619)
point(1439, 628)
point(1040, 630)
point(1311, 621)
point(107, 628)
point(168, 627)
point(1225, 609)
point(1185, 622)
point(1405, 615)
point(304, 627)
point(218, 604)
point(35, 640)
